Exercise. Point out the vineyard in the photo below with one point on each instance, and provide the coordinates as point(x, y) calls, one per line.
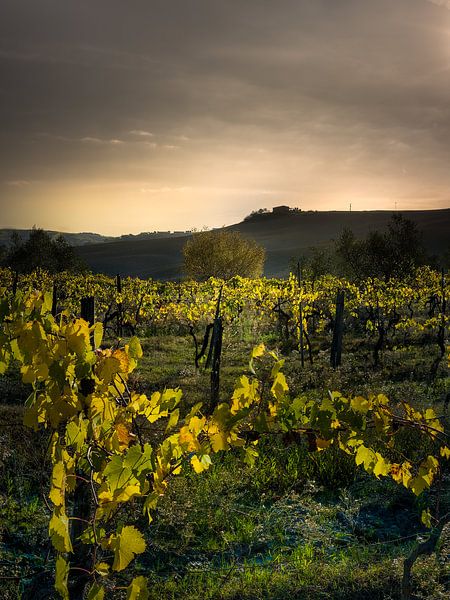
point(224, 439)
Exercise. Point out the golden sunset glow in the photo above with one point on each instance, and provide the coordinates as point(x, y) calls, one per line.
point(165, 116)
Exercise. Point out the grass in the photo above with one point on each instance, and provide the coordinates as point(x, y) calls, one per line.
point(296, 524)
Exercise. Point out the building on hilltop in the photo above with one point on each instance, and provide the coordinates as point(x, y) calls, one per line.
point(284, 210)
point(280, 210)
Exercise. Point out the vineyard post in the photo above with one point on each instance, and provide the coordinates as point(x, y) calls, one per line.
point(54, 300)
point(214, 354)
point(119, 306)
point(302, 352)
point(15, 282)
point(88, 309)
point(336, 345)
point(441, 330)
point(443, 311)
point(280, 323)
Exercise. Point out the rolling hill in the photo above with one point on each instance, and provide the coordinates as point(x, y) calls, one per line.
point(284, 236)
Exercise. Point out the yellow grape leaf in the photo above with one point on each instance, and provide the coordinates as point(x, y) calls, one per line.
point(360, 404)
point(256, 353)
point(122, 358)
point(196, 424)
point(124, 434)
point(382, 399)
point(61, 577)
point(365, 456)
point(218, 439)
point(188, 440)
point(445, 452)
point(173, 419)
point(245, 394)
point(126, 545)
point(200, 465)
point(97, 330)
point(401, 473)
point(429, 415)
point(56, 494)
point(279, 386)
point(382, 467)
point(77, 336)
point(59, 531)
point(111, 363)
point(138, 590)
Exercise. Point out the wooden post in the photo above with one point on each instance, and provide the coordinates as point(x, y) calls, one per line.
point(80, 559)
point(215, 367)
point(54, 300)
point(336, 345)
point(119, 307)
point(280, 322)
point(88, 309)
point(15, 282)
point(302, 351)
point(442, 328)
point(214, 355)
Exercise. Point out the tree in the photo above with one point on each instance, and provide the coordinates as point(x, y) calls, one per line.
point(396, 252)
point(222, 254)
point(316, 262)
point(41, 251)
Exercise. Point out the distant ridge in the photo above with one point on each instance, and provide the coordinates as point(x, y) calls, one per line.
point(284, 236)
point(74, 239)
point(81, 239)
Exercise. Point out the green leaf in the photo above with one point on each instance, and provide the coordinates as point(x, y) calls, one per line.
point(96, 592)
point(135, 348)
point(418, 485)
point(62, 574)
point(118, 475)
point(76, 433)
point(102, 569)
point(426, 518)
point(126, 545)
point(138, 590)
point(137, 460)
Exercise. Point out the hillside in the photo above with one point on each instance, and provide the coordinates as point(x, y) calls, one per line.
point(74, 239)
point(284, 237)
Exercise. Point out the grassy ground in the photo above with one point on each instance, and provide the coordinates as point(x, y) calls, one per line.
point(297, 524)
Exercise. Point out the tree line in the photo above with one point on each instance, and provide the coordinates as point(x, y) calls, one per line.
point(398, 251)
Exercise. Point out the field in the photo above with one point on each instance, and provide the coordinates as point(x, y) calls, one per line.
point(263, 507)
point(283, 236)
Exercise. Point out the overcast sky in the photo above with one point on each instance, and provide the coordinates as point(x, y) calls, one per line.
point(126, 116)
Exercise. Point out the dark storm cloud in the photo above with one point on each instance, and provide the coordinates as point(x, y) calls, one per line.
point(317, 100)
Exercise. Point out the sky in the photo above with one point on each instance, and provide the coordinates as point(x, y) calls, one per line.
point(147, 115)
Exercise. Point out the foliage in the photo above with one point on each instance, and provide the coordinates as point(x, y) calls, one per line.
point(107, 444)
point(41, 251)
point(223, 254)
point(396, 252)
